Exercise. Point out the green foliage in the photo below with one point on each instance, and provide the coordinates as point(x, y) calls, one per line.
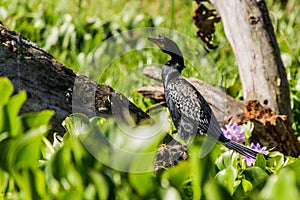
point(81, 166)
point(33, 168)
point(20, 146)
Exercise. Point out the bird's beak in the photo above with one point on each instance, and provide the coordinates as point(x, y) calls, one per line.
point(157, 41)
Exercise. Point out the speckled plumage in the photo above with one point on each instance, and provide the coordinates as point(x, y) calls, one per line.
point(190, 115)
point(189, 110)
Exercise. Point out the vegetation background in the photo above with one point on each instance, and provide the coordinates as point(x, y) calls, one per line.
point(31, 167)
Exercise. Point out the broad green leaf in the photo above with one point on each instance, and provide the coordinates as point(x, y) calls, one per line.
point(142, 182)
point(256, 176)
point(12, 111)
point(25, 151)
point(6, 90)
point(247, 185)
point(227, 159)
point(171, 193)
point(260, 161)
point(90, 192)
point(100, 183)
point(32, 181)
point(4, 136)
point(281, 186)
point(5, 148)
point(39, 182)
point(296, 166)
point(4, 181)
point(74, 177)
point(60, 162)
point(3, 121)
point(213, 191)
point(37, 119)
point(226, 178)
point(72, 194)
point(248, 128)
point(275, 161)
point(179, 175)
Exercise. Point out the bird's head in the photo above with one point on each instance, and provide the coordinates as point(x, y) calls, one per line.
point(169, 47)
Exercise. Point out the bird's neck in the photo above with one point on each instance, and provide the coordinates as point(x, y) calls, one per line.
point(168, 73)
point(176, 63)
point(177, 58)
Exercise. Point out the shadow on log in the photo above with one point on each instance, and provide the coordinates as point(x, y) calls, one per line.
point(51, 85)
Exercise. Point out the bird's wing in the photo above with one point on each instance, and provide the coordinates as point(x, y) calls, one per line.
point(189, 103)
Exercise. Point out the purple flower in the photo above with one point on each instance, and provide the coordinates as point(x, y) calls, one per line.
point(258, 148)
point(234, 132)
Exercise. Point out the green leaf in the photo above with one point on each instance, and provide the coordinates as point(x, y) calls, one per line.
point(248, 128)
point(275, 161)
point(12, 109)
point(260, 161)
point(227, 177)
point(213, 191)
point(295, 166)
point(74, 177)
point(247, 185)
point(201, 169)
point(60, 162)
point(6, 90)
point(227, 159)
point(281, 186)
point(142, 182)
point(25, 151)
point(4, 181)
point(256, 176)
point(99, 181)
point(72, 194)
point(37, 119)
point(171, 193)
point(179, 175)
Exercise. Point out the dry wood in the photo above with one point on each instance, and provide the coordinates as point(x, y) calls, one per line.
point(51, 85)
point(270, 129)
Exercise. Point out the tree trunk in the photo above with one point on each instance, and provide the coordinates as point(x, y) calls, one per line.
point(250, 32)
point(51, 85)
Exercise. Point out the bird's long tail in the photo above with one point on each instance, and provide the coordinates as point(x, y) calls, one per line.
point(242, 149)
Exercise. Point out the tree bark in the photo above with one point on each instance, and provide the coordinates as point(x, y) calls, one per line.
point(250, 32)
point(270, 129)
point(51, 85)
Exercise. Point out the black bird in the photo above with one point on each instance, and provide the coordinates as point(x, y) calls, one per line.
point(189, 110)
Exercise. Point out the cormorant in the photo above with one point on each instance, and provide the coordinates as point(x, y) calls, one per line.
point(189, 110)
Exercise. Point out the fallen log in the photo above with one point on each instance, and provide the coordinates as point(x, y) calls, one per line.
point(52, 85)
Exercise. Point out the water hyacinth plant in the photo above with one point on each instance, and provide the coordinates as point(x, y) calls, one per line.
point(236, 133)
point(257, 147)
